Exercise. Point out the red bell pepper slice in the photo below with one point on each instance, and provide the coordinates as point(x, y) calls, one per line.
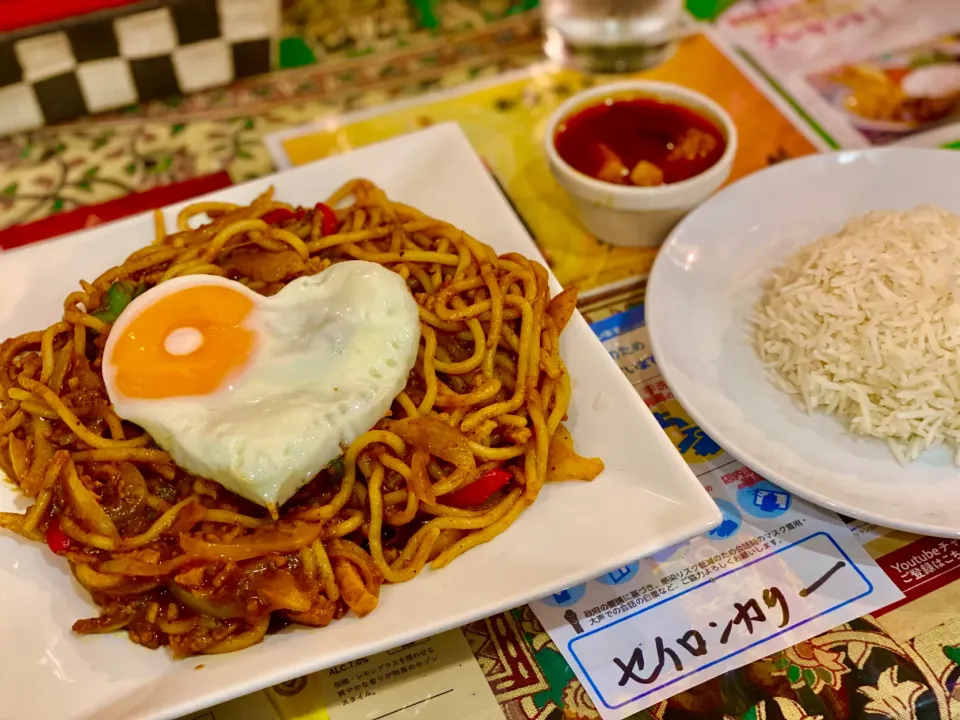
point(330, 223)
point(279, 216)
point(57, 539)
point(480, 490)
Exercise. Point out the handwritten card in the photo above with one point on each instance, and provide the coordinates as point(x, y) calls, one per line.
point(777, 571)
point(662, 644)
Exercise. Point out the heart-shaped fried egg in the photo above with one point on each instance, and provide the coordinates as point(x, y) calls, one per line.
point(261, 393)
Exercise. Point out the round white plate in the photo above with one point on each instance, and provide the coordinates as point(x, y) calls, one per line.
point(700, 294)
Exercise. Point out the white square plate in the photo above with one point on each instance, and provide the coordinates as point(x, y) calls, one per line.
point(647, 498)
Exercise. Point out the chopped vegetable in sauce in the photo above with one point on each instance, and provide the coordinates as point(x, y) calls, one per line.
point(116, 299)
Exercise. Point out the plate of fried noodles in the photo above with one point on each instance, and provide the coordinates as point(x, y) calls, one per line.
point(512, 460)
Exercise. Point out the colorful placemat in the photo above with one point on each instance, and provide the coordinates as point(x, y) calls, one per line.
point(903, 664)
point(505, 123)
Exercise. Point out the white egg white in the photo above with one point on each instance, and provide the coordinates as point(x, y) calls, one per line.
point(333, 350)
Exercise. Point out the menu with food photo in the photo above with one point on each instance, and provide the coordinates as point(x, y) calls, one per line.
point(896, 94)
point(856, 73)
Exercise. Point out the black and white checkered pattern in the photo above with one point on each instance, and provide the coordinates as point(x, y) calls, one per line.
point(105, 63)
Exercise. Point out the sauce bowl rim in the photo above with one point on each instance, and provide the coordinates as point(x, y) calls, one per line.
point(666, 92)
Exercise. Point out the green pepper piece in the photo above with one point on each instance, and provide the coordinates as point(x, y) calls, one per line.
point(336, 467)
point(116, 299)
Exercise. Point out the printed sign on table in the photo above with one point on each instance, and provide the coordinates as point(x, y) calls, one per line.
point(250, 707)
point(432, 679)
point(859, 73)
point(921, 567)
point(775, 572)
point(663, 644)
point(436, 678)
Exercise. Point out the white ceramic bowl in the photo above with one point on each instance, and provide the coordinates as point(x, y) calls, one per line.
point(639, 216)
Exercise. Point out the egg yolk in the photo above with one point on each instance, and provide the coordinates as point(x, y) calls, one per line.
point(187, 343)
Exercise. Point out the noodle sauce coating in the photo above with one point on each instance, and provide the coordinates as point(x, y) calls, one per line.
point(177, 560)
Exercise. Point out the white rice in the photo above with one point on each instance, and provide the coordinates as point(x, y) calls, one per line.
point(865, 325)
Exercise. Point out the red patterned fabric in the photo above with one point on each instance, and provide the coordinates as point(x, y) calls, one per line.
point(19, 14)
point(90, 215)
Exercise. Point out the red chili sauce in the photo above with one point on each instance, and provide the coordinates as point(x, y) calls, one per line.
point(640, 141)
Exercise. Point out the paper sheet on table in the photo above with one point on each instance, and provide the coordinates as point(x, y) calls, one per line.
point(249, 707)
point(433, 679)
point(859, 72)
point(775, 572)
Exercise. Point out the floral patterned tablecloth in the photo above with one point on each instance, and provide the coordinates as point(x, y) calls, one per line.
point(903, 665)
